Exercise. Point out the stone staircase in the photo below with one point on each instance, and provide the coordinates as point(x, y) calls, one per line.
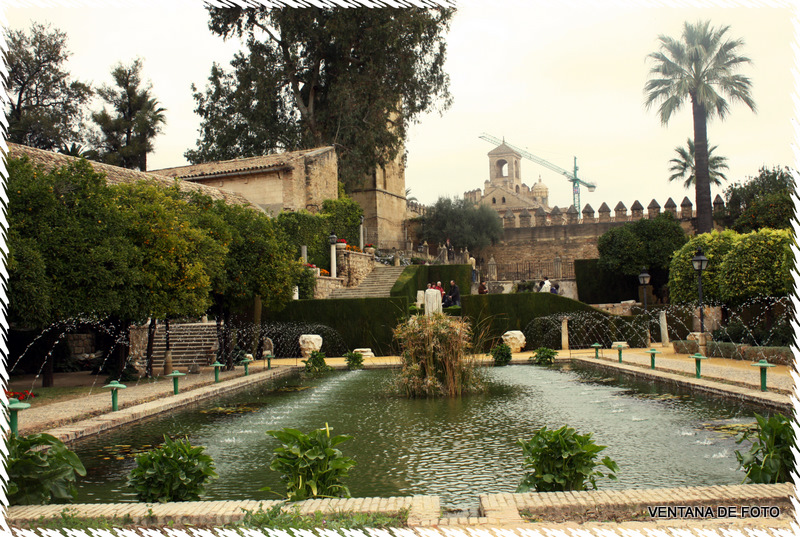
point(191, 344)
point(377, 284)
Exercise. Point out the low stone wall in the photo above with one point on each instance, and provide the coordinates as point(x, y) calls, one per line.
point(326, 285)
point(81, 343)
point(353, 267)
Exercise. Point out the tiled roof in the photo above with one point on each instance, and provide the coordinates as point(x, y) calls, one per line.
point(116, 175)
point(239, 165)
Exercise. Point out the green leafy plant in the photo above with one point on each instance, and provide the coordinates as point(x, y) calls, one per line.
point(310, 464)
point(770, 458)
point(279, 517)
point(562, 460)
point(543, 356)
point(175, 472)
point(41, 469)
point(316, 364)
point(355, 360)
point(501, 354)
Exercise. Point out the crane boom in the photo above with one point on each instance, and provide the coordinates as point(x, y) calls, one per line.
point(571, 176)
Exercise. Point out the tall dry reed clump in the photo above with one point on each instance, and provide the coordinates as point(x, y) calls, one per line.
point(436, 357)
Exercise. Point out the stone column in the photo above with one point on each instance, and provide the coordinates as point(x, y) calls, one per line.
point(564, 335)
point(304, 253)
point(662, 320)
point(492, 268)
point(333, 260)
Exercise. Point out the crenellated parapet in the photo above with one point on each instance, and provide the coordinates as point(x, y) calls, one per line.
point(414, 209)
point(523, 218)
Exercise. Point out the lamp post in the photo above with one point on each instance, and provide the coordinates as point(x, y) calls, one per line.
point(332, 238)
point(700, 262)
point(361, 234)
point(644, 279)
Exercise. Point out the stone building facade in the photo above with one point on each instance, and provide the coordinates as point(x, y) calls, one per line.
point(383, 199)
point(284, 182)
point(504, 191)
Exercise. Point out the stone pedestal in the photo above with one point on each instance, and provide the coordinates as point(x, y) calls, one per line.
point(365, 353)
point(564, 334)
point(167, 362)
point(662, 321)
point(702, 339)
point(309, 343)
point(514, 339)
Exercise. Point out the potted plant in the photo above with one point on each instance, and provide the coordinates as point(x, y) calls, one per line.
point(369, 249)
point(341, 244)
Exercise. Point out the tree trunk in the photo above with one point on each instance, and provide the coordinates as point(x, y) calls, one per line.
point(151, 335)
point(702, 185)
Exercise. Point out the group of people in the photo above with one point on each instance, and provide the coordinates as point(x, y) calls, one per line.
point(452, 298)
point(546, 287)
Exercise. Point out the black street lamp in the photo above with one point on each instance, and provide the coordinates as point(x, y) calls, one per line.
point(700, 262)
point(644, 279)
point(333, 238)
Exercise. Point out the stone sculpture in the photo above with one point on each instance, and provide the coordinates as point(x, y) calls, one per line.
point(310, 343)
point(514, 339)
point(433, 302)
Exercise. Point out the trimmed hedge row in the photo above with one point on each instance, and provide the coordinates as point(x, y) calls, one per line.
point(598, 286)
point(361, 322)
point(416, 277)
point(530, 313)
point(735, 351)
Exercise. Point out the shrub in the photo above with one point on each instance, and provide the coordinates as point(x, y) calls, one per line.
point(41, 469)
point(175, 472)
point(543, 356)
point(310, 465)
point(316, 364)
point(685, 346)
point(773, 355)
point(436, 357)
point(355, 360)
point(501, 354)
point(724, 349)
point(770, 458)
point(562, 460)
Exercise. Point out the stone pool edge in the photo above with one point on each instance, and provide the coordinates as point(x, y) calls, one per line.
point(495, 509)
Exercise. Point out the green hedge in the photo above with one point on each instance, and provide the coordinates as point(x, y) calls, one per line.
point(417, 277)
point(531, 313)
point(598, 286)
point(361, 322)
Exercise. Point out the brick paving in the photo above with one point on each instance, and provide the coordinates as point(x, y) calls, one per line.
point(90, 414)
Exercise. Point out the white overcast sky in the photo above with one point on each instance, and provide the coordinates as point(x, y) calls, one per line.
point(561, 79)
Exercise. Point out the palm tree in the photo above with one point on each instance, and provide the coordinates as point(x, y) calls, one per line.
point(699, 67)
point(684, 164)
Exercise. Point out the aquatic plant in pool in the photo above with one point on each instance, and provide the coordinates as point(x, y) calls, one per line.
point(436, 357)
point(310, 464)
point(455, 448)
point(561, 460)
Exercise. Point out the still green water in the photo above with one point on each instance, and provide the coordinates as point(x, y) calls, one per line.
point(456, 449)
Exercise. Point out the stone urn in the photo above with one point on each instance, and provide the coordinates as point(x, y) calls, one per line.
point(369, 250)
point(309, 343)
point(341, 245)
point(514, 339)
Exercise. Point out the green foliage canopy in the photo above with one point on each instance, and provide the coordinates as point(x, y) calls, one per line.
point(45, 107)
point(127, 131)
point(740, 267)
point(351, 78)
point(644, 243)
point(762, 202)
point(466, 225)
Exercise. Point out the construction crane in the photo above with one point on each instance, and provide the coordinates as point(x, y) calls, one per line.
point(572, 177)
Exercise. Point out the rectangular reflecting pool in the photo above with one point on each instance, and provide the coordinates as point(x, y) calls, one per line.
point(455, 449)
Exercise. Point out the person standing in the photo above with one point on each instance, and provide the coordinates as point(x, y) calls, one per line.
point(545, 286)
point(455, 294)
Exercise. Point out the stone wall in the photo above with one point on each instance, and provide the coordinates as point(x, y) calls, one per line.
point(326, 285)
point(353, 267)
point(81, 343)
